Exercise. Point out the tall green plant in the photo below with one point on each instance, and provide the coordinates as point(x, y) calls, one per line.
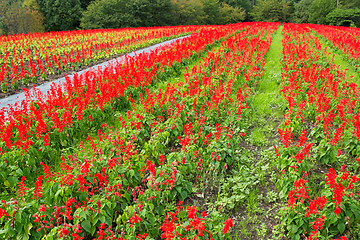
point(344, 17)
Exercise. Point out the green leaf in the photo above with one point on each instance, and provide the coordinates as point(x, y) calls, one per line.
point(155, 232)
point(57, 194)
point(182, 214)
point(108, 221)
point(151, 220)
point(295, 237)
point(131, 172)
point(93, 229)
point(6, 183)
point(333, 218)
point(294, 229)
point(86, 224)
point(118, 220)
point(127, 196)
point(341, 227)
point(334, 230)
point(353, 208)
point(348, 213)
point(357, 215)
point(19, 172)
point(184, 195)
point(178, 188)
point(18, 216)
point(96, 219)
point(151, 206)
point(124, 218)
point(12, 181)
point(188, 187)
point(159, 210)
point(3, 174)
point(10, 230)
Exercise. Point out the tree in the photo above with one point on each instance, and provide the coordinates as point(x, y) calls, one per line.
point(37, 18)
point(346, 13)
point(85, 3)
point(344, 17)
point(188, 12)
point(211, 9)
point(108, 14)
point(229, 14)
point(19, 18)
point(271, 11)
point(244, 4)
point(2, 13)
point(349, 4)
point(161, 12)
point(61, 14)
point(153, 12)
point(301, 13)
point(319, 9)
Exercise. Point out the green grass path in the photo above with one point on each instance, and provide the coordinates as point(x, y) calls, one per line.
point(269, 86)
point(267, 102)
point(258, 217)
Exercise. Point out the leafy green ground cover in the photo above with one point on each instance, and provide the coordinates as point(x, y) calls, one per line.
point(257, 218)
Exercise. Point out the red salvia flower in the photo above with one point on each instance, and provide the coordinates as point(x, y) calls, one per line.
point(228, 223)
point(38, 187)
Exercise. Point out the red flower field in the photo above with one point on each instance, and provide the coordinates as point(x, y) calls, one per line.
point(241, 131)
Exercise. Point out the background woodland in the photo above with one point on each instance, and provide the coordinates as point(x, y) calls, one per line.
point(29, 16)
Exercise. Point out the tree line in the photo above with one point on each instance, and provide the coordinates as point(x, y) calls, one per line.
point(27, 16)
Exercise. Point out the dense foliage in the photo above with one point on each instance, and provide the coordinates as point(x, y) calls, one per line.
point(271, 11)
point(29, 16)
point(20, 17)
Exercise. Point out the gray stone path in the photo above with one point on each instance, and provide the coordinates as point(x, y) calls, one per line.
point(44, 88)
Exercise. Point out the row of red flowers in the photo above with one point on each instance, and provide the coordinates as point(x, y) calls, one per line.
point(30, 57)
point(38, 115)
point(347, 40)
point(322, 112)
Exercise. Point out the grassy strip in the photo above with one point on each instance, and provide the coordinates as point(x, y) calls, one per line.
point(256, 218)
